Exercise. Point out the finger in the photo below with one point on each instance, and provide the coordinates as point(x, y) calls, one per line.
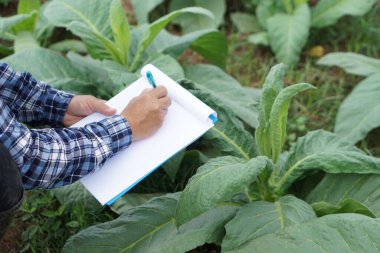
point(147, 90)
point(160, 92)
point(165, 102)
point(101, 107)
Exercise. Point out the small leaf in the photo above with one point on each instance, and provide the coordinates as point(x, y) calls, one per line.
point(28, 7)
point(352, 63)
point(279, 115)
point(265, 218)
point(216, 182)
point(327, 12)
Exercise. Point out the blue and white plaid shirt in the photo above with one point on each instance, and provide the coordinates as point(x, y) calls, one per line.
point(52, 157)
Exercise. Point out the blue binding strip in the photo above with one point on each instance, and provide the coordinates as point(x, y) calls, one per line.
point(213, 118)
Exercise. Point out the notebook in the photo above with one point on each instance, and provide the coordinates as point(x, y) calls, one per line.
point(188, 118)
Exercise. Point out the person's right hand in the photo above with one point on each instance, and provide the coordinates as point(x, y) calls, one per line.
point(145, 113)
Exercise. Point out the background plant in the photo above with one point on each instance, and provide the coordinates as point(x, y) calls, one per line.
point(285, 25)
point(358, 114)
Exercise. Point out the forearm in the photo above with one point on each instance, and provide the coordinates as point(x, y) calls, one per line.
point(32, 101)
point(51, 158)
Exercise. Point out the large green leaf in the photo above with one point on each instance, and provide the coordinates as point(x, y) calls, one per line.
point(209, 43)
point(191, 23)
point(76, 195)
point(360, 111)
point(279, 115)
point(288, 34)
point(352, 63)
point(50, 67)
point(131, 200)
point(142, 9)
point(335, 188)
point(322, 150)
point(216, 182)
point(153, 30)
point(329, 234)
point(25, 41)
point(228, 135)
point(327, 12)
point(264, 218)
point(87, 19)
point(215, 81)
point(213, 47)
point(150, 228)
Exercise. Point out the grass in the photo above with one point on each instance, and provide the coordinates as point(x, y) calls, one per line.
point(43, 224)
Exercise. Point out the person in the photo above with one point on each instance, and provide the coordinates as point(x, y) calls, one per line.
point(60, 155)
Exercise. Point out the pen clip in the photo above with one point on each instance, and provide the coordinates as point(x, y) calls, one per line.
point(151, 79)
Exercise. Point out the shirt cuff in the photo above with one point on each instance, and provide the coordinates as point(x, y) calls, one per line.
point(119, 131)
point(56, 105)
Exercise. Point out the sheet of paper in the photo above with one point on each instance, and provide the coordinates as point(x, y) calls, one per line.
point(180, 128)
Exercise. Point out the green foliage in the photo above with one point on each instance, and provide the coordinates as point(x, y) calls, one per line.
point(331, 234)
point(150, 228)
point(143, 8)
point(352, 63)
point(335, 189)
point(358, 114)
point(191, 23)
point(212, 185)
point(264, 218)
point(271, 132)
point(327, 12)
point(286, 24)
point(288, 33)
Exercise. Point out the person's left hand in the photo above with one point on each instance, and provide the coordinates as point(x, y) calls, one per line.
point(82, 105)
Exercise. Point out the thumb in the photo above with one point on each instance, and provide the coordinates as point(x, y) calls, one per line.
point(101, 107)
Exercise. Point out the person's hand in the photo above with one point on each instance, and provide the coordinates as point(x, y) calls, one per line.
point(145, 113)
point(84, 105)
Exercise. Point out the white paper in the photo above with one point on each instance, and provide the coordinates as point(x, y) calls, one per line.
point(186, 120)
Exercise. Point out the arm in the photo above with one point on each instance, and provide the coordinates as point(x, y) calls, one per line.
point(51, 158)
point(31, 101)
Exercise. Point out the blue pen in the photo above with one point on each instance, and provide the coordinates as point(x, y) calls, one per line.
point(151, 79)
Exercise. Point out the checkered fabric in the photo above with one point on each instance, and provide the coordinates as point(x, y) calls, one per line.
point(52, 157)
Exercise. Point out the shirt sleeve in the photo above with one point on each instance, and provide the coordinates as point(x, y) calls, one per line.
point(32, 101)
point(54, 157)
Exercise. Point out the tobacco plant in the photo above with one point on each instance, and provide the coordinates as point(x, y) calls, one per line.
point(256, 203)
point(285, 25)
point(359, 112)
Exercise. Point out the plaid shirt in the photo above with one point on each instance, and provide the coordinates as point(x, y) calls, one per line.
point(52, 157)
